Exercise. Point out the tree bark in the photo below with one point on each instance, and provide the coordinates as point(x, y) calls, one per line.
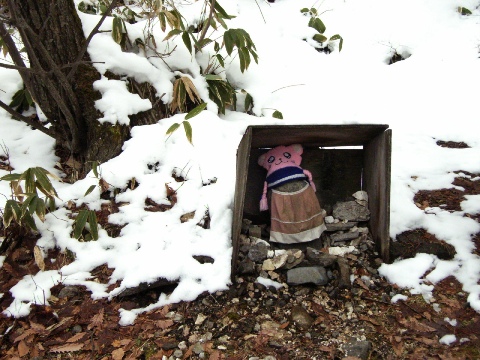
point(54, 41)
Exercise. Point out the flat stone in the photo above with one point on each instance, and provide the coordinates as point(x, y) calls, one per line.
point(295, 257)
point(304, 275)
point(301, 317)
point(258, 252)
point(338, 237)
point(317, 257)
point(359, 349)
point(341, 226)
point(268, 265)
point(351, 211)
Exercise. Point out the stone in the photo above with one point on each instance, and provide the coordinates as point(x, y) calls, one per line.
point(361, 197)
point(341, 226)
point(359, 349)
point(77, 329)
point(317, 257)
point(255, 231)
point(344, 268)
point(339, 237)
point(258, 252)
point(329, 220)
point(198, 348)
point(246, 266)
point(268, 265)
point(68, 292)
point(351, 211)
point(301, 317)
point(304, 275)
point(294, 258)
point(178, 353)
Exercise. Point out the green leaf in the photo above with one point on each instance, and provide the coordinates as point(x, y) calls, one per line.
point(30, 203)
point(317, 24)
point(187, 41)
point(172, 33)
point(172, 128)
point(90, 189)
point(464, 11)
point(163, 21)
point(338, 37)
point(11, 177)
point(277, 115)
point(216, 47)
point(229, 41)
point(11, 212)
point(304, 10)
point(320, 38)
point(95, 168)
point(92, 220)
point(44, 181)
point(188, 130)
point(80, 222)
point(220, 60)
point(204, 43)
point(243, 61)
point(29, 221)
point(118, 26)
point(221, 11)
point(194, 112)
point(29, 179)
point(51, 203)
point(40, 209)
point(248, 102)
point(213, 77)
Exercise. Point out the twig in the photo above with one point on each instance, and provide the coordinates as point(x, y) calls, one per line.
point(284, 87)
point(17, 116)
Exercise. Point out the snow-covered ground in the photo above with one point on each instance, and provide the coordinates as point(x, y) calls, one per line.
point(430, 95)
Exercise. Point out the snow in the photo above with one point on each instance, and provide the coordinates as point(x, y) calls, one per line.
point(425, 98)
point(397, 298)
point(268, 282)
point(448, 339)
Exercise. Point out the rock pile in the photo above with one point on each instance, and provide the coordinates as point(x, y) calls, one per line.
point(319, 262)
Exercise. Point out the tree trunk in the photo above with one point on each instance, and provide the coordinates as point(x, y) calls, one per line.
point(53, 37)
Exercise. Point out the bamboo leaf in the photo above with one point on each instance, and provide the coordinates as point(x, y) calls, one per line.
point(92, 220)
point(220, 60)
point(163, 21)
point(241, 56)
point(30, 203)
point(221, 11)
point(319, 38)
point(172, 33)
point(277, 115)
point(44, 181)
point(464, 11)
point(187, 41)
point(172, 128)
point(11, 177)
point(248, 102)
point(190, 89)
point(95, 168)
point(9, 213)
point(79, 224)
point(29, 178)
point(194, 112)
point(51, 203)
point(29, 221)
point(117, 29)
point(228, 41)
point(40, 209)
point(317, 24)
point(338, 37)
point(188, 131)
point(213, 77)
point(204, 43)
point(90, 189)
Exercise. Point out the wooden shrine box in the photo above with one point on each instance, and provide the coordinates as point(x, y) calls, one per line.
point(337, 173)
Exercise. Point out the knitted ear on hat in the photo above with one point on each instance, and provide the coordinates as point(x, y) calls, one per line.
point(298, 148)
point(261, 159)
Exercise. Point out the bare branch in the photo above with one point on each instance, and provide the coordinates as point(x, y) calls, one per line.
point(18, 68)
point(90, 37)
point(17, 116)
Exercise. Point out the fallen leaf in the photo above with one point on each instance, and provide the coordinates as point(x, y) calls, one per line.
point(97, 320)
point(164, 324)
point(23, 349)
point(38, 255)
point(361, 283)
point(216, 355)
point(370, 320)
point(76, 337)
point(24, 335)
point(66, 348)
point(284, 325)
point(118, 354)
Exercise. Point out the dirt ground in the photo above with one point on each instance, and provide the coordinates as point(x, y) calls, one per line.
point(252, 321)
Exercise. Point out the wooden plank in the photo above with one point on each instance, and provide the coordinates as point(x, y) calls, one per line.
point(377, 184)
point(269, 136)
point(243, 158)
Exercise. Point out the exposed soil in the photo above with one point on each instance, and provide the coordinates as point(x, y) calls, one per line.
point(249, 319)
